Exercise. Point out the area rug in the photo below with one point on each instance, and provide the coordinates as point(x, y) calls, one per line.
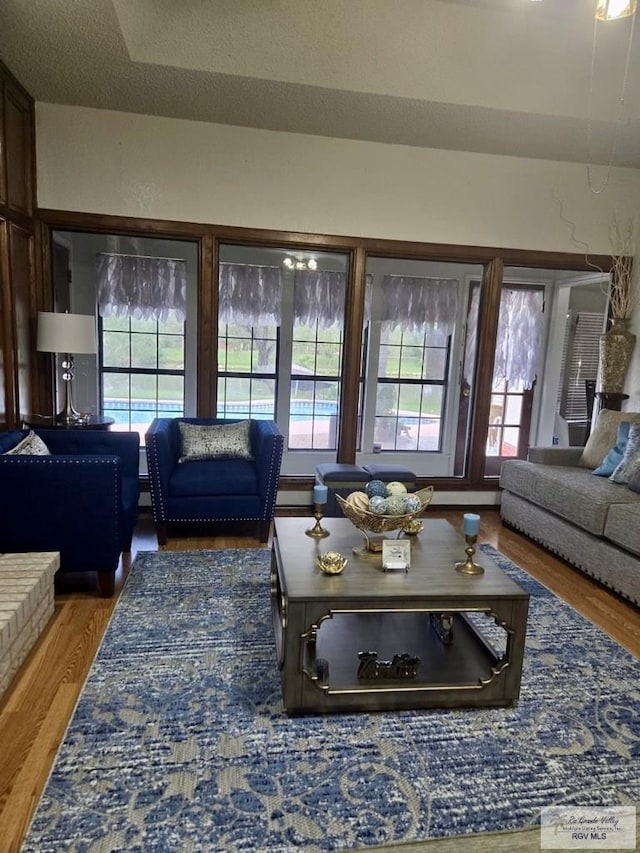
point(179, 741)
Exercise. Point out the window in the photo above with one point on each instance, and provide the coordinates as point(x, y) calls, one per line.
point(580, 357)
point(410, 399)
point(515, 370)
point(247, 371)
point(316, 367)
point(142, 303)
point(141, 371)
point(280, 345)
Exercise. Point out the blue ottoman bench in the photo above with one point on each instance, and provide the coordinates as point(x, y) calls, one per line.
point(391, 473)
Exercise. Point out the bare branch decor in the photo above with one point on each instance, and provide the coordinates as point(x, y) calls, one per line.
point(617, 344)
point(623, 294)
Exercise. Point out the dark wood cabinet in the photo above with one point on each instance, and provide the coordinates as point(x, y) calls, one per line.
point(18, 304)
point(17, 115)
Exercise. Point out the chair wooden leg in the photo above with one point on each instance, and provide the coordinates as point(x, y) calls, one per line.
point(106, 583)
point(265, 529)
point(161, 532)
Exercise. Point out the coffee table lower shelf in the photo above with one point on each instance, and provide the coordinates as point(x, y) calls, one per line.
point(399, 660)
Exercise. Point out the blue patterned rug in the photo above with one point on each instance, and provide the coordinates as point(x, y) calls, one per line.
point(179, 741)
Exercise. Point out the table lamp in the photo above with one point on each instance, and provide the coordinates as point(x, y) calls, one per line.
point(66, 334)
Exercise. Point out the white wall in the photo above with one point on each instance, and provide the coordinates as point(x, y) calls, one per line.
point(100, 161)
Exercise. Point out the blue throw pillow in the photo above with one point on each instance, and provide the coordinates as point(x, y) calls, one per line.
point(614, 456)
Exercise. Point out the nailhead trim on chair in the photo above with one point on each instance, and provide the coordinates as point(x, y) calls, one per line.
point(156, 495)
point(276, 462)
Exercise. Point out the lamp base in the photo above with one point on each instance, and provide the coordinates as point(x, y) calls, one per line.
point(68, 414)
point(73, 417)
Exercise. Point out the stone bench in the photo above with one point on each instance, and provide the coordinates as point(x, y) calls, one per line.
point(26, 605)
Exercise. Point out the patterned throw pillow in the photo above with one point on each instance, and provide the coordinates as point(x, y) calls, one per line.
point(31, 445)
point(634, 481)
point(631, 459)
point(603, 436)
point(215, 441)
point(614, 456)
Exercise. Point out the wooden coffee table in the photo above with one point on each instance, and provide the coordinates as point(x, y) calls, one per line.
point(373, 640)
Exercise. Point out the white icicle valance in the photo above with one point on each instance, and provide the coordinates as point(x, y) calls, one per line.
point(411, 302)
point(250, 295)
point(140, 287)
point(519, 337)
point(319, 295)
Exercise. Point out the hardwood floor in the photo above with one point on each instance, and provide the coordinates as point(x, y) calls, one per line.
point(36, 709)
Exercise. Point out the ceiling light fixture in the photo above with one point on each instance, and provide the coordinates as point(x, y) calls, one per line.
point(300, 263)
point(611, 10)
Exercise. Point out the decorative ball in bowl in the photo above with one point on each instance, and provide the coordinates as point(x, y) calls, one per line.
point(331, 563)
point(381, 522)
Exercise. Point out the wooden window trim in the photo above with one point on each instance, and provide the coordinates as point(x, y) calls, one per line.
point(209, 237)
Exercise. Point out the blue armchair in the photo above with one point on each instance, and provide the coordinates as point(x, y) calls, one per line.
point(212, 489)
point(82, 500)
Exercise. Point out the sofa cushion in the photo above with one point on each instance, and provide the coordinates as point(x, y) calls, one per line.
point(208, 478)
point(571, 493)
point(603, 437)
point(614, 456)
point(31, 445)
point(631, 458)
point(215, 441)
point(623, 526)
point(341, 474)
point(391, 473)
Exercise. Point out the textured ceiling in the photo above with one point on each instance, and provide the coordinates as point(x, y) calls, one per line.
point(496, 76)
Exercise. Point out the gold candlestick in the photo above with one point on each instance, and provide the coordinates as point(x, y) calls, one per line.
point(317, 531)
point(469, 567)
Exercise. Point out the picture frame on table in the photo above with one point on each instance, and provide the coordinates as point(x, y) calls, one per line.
point(396, 555)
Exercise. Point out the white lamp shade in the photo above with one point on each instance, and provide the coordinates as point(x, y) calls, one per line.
point(72, 333)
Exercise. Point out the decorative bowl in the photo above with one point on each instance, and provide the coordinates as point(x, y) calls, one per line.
point(365, 520)
point(331, 563)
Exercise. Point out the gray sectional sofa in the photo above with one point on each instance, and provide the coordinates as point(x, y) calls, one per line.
point(589, 521)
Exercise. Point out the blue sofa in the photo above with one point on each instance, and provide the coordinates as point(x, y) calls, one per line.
point(206, 490)
point(82, 500)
